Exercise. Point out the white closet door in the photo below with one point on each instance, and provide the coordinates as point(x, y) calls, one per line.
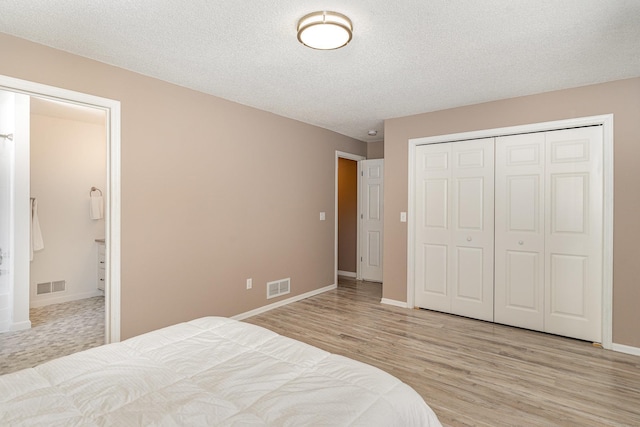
point(574, 215)
point(454, 228)
point(519, 236)
point(472, 229)
point(372, 210)
point(433, 226)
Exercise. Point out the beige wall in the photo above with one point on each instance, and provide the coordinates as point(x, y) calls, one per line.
point(347, 215)
point(68, 157)
point(622, 98)
point(213, 192)
point(375, 150)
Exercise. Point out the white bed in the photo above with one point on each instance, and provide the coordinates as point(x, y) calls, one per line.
point(210, 371)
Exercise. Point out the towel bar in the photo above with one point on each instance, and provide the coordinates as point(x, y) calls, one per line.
point(95, 189)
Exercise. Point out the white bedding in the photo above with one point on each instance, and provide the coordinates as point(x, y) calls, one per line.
point(210, 371)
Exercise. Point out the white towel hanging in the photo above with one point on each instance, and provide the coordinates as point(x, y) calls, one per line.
point(96, 207)
point(36, 242)
point(97, 204)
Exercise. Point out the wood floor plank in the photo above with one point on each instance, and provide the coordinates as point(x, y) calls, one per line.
point(472, 373)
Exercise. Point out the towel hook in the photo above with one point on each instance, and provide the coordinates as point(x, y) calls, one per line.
point(95, 189)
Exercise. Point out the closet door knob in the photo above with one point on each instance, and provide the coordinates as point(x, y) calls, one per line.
point(469, 239)
point(520, 242)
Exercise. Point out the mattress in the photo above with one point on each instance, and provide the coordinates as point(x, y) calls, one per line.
point(211, 371)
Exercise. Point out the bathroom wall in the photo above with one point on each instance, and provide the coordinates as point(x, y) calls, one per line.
point(68, 157)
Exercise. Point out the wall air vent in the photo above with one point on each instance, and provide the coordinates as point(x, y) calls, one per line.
point(50, 287)
point(59, 286)
point(43, 288)
point(278, 287)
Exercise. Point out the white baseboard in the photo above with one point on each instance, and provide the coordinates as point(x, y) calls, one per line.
point(626, 349)
point(63, 298)
point(21, 326)
point(351, 274)
point(266, 308)
point(393, 302)
point(347, 273)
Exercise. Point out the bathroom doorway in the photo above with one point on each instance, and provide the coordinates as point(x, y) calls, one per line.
point(21, 288)
point(68, 161)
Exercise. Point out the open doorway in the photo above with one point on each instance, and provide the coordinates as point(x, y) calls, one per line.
point(347, 218)
point(369, 197)
point(349, 241)
point(68, 160)
point(20, 286)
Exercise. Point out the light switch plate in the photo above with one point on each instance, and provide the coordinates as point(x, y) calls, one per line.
point(322, 216)
point(403, 217)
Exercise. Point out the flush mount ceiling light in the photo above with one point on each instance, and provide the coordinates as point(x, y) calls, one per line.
point(325, 30)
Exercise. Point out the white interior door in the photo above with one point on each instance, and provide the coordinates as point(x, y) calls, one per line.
point(433, 236)
point(371, 220)
point(472, 229)
point(574, 215)
point(520, 236)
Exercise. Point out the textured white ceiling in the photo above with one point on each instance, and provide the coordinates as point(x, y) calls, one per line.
point(406, 56)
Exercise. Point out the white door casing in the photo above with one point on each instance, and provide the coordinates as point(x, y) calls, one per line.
point(371, 218)
point(519, 238)
point(454, 228)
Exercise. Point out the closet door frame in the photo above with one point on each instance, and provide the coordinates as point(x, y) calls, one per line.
point(607, 262)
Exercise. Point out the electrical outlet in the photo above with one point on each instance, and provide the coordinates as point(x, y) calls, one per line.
point(249, 283)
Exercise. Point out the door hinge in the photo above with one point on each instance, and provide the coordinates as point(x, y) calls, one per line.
point(361, 216)
point(361, 173)
point(361, 259)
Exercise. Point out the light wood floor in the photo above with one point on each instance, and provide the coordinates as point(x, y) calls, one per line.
point(470, 372)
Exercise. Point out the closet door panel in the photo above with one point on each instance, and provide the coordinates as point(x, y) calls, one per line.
point(472, 228)
point(436, 204)
point(522, 273)
point(519, 233)
point(569, 282)
point(433, 226)
point(469, 277)
point(574, 192)
point(435, 260)
point(523, 207)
